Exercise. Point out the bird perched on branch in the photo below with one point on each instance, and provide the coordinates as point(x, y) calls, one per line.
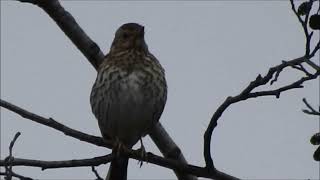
point(129, 93)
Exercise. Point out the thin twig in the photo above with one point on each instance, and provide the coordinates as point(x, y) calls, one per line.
point(15, 175)
point(311, 110)
point(9, 159)
point(301, 68)
point(304, 26)
point(96, 173)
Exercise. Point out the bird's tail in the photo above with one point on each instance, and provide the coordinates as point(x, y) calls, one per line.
point(118, 169)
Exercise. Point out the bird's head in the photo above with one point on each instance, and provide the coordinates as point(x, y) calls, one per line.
point(129, 36)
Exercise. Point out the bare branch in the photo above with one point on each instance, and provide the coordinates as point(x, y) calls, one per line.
point(311, 110)
point(301, 68)
point(96, 161)
point(304, 24)
point(15, 175)
point(316, 48)
point(56, 125)
point(9, 159)
point(277, 92)
point(162, 139)
point(96, 173)
point(246, 94)
point(135, 154)
point(13, 142)
point(71, 28)
point(308, 36)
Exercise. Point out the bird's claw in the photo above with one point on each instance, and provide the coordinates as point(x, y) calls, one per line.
point(143, 154)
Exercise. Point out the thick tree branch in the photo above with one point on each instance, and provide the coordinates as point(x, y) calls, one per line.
point(72, 30)
point(178, 166)
point(162, 139)
point(96, 161)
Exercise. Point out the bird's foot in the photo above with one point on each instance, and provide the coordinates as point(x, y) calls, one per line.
point(143, 153)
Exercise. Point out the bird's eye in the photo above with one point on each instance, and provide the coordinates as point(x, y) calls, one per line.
point(125, 35)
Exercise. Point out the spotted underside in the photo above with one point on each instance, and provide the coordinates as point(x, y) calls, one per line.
point(129, 95)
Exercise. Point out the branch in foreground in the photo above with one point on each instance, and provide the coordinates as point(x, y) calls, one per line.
point(135, 154)
point(56, 125)
point(94, 55)
point(96, 161)
point(246, 94)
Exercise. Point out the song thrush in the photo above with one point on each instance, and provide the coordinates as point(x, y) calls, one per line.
point(129, 93)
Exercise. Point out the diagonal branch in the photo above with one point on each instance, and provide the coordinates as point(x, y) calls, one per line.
point(71, 29)
point(95, 172)
point(56, 125)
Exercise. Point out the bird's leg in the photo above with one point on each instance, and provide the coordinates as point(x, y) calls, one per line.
point(143, 153)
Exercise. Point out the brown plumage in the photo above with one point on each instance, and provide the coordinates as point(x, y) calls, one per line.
point(129, 93)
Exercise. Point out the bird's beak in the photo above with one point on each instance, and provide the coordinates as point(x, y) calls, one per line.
point(142, 31)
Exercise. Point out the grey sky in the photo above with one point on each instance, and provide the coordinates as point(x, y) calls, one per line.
point(210, 50)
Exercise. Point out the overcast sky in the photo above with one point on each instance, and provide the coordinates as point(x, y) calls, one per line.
point(210, 50)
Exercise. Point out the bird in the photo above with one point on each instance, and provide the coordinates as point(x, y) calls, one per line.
point(129, 93)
